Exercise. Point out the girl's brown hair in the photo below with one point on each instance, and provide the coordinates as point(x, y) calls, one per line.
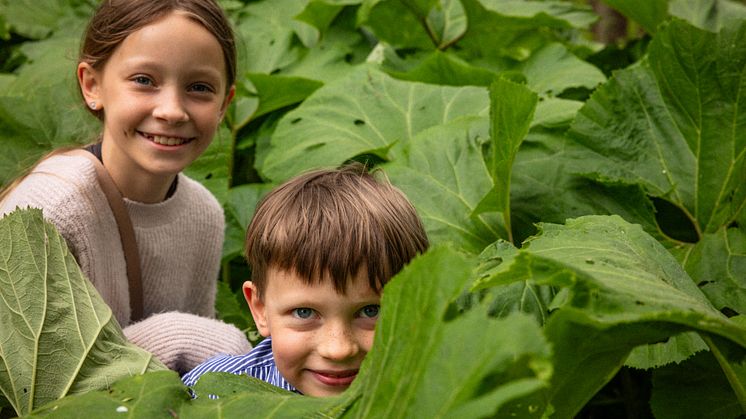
point(332, 224)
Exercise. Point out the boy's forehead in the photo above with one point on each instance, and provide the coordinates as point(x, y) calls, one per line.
point(276, 276)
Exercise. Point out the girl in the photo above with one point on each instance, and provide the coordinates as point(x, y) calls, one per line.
point(159, 74)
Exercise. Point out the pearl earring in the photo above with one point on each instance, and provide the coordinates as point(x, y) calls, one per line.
point(92, 105)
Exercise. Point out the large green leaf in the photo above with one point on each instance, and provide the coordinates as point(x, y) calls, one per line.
point(718, 264)
point(694, 389)
point(35, 19)
point(153, 395)
point(708, 14)
point(58, 337)
point(648, 13)
point(433, 373)
point(438, 67)
point(553, 69)
point(545, 189)
point(341, 47)
point(516, 28)
point(366, 112)
point(672, 124)
point(41, 107)
point(267, 36)
point(239, 209)
point(512, 108)
point(423, 24)
point(37, 122)
point(445, 177)
point(621, 289)
point(214, 167)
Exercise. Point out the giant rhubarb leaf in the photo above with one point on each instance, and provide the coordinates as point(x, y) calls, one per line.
point(367, 112)
point(620, 289)
point(673, 124)
point(57, 336)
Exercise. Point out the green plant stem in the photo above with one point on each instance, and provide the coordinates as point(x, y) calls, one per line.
point(735, 383)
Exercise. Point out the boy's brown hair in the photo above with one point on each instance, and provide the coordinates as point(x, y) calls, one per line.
point(334, 222)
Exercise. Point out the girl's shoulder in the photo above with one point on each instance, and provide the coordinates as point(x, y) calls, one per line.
point(56, 183)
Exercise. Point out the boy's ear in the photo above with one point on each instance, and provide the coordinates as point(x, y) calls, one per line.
point(88, 79)
point(256, 305)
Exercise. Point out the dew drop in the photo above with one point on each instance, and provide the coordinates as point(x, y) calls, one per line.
point(664, 171)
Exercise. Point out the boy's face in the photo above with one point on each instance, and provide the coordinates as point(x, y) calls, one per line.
point(319, 337)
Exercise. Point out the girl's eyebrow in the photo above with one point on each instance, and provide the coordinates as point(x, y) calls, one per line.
point(136, 63)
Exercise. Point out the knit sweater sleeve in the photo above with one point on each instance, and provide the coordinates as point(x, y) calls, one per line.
point(65, 188)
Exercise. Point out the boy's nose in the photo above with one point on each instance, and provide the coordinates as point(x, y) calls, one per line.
point(170, 108)
point(339, 343)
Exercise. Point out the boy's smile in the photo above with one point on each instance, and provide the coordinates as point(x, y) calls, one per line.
point(319, 337)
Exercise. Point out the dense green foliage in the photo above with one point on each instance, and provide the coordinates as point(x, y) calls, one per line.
point(586, 203)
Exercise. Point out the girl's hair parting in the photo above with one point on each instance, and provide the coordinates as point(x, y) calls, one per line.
point(114, 20)
point(338, 223)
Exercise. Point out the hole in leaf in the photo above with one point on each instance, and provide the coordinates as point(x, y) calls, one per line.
point(315, 146)
point(209, 176)
point(359, 122)
point(674, 222)
point(296, 120)
point(349, 57)
point(729, 312)
point(369, 160)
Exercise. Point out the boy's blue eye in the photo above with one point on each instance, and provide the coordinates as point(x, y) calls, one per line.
point(303, 313)
point(370, 311)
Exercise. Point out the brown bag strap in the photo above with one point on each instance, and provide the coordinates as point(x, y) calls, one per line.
point(126, 232)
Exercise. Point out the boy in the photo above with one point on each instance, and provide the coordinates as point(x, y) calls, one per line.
point(321, 247)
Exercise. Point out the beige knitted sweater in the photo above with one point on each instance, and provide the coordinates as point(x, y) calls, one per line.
point(179, 240)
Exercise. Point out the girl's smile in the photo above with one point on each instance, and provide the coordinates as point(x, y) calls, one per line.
point(166, 140)
point(163, 93)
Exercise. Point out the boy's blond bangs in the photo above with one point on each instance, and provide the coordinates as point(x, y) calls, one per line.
point(330, 224)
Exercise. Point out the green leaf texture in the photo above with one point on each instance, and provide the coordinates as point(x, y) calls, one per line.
point(57, 336)
point(367, 112)
point(674, 124)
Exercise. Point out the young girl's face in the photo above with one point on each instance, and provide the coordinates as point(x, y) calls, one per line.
point(163, 94)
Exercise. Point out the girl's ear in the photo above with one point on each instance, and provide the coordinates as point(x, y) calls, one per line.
point(227, 101)
point(88, 79)
point(257, 307)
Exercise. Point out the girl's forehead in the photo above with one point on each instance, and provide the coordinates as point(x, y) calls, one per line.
point(177, 41)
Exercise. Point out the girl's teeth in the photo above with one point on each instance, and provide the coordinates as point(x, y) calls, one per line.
point(158, 139)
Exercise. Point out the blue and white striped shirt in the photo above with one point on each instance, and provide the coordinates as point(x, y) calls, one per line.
point(258, 363)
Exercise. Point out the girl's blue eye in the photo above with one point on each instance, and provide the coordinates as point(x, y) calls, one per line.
point(202, 88)
point(142, 80)
point(303, 313)
point(370, 311)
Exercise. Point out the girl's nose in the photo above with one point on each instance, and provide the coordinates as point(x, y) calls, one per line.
point(339, 343)
point(170, 108)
